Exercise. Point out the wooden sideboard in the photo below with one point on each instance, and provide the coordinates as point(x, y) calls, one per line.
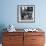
point(23, 38)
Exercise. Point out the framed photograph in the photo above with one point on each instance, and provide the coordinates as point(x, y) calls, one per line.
point(26, 13)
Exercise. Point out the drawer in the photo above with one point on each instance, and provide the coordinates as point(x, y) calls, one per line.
point(21, 44)
point(34, 33)
point(13, 33)
point(12, 38)
point(37, 44)
point(37, 39)
point(34, 39)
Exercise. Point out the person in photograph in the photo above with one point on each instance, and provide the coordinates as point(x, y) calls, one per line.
point(26, 13)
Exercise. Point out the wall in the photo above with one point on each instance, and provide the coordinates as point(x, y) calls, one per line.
point(9, 13)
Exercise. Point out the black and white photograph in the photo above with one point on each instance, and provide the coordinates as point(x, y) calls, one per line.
point(26, 13)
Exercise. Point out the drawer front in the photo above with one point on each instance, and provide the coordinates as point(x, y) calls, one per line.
point(13, 33)
point(37, 39)
point(37, 45)
point(34, 33)
point(12, 45)
point(12, 39)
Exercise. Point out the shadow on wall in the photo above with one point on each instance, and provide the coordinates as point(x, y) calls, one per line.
point(2, 26)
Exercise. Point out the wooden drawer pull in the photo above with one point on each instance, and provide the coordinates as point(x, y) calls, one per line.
point(33, 39)
point(11, 38)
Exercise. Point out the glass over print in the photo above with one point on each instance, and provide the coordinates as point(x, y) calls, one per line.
point(26, 13)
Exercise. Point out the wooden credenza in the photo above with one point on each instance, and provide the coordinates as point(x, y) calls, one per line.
point(23, 39)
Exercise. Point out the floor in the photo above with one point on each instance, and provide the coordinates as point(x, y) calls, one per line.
point(0, 44)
